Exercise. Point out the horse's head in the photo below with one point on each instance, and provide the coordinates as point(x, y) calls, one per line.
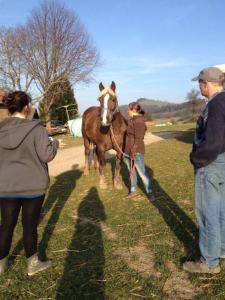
point(108, 102)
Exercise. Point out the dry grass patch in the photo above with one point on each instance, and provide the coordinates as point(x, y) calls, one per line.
point(140, 259)
point(179, 286)
point(109, 233)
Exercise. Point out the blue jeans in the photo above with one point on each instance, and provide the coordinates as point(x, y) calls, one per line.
point(140, 169)
point(210, 210)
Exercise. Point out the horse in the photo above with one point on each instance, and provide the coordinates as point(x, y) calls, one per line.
point(105, 127)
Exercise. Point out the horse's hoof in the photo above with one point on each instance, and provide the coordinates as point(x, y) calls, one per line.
point(103, 185)
point(96, 165)
point(86, 172)
point(118, 186)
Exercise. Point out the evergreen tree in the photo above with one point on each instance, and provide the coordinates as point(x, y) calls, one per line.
point(62, 95)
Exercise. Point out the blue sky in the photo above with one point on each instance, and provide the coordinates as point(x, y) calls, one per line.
point(149, 48)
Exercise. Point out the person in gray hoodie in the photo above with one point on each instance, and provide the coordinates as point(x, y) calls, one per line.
point(25, 150)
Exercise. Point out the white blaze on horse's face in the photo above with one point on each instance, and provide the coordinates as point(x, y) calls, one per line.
point(108, 101)
point(105, 110)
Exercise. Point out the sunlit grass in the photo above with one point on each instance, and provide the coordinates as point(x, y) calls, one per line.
point(83, 229)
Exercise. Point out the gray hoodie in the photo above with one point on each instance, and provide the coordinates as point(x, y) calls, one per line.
point(25, 150)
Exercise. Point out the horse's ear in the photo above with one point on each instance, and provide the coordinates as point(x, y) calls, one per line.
point(113, 86)
point(101, 86)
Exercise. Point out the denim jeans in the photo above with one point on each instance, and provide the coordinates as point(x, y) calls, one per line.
point(140, 169)
point(210, 210)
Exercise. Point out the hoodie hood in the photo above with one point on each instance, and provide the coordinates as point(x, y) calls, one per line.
point(13, 131)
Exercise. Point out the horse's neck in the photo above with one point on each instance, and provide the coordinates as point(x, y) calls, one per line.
point(118, 123)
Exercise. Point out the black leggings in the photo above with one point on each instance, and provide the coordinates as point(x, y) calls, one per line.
point(10, 208)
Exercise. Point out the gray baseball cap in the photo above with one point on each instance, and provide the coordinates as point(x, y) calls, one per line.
point(211, 74)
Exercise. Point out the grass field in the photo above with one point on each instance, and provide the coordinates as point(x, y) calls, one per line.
point(71, 141)
point(105, 246)
point(174, 127)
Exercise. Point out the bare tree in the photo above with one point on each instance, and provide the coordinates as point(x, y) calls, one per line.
point(193, 98)
point(55, 45)
point(13, 74)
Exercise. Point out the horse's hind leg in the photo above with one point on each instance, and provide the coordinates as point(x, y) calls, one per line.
point(117, 176)
point(93, 157)
point(101, 160)
point(87, 149)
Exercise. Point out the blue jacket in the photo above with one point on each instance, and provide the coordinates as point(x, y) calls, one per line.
point(209, 139)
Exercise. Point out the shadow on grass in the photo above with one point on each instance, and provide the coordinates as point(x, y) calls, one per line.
point(186, 137)
point(179, 222)
point(83, 276)
point(59, 193)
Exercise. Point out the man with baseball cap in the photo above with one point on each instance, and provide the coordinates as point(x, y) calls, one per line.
point(208, 159)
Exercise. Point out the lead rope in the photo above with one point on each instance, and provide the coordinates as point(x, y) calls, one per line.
point(132, 164)
point(115, 141)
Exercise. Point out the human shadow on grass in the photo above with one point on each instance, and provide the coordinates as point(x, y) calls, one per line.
point(178, 221)
point(58, 194)
point(83, 276)
point(186, 137)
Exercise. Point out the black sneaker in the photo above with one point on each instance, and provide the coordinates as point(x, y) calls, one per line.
point(151, 197)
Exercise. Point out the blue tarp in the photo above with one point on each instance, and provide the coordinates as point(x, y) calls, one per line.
point(75, 127)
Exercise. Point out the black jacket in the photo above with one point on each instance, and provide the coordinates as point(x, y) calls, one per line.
point(209, 139)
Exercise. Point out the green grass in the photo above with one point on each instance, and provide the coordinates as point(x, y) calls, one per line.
point(174, 127)
point(85, 265)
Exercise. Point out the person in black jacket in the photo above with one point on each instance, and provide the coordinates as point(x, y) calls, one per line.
point(208, 159)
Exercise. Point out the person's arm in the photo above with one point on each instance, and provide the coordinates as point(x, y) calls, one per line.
point(213, 143)
point(45, 147)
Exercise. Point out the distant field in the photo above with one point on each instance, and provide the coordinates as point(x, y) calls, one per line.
point(175, 127)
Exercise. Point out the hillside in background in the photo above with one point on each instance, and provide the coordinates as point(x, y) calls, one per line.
point(160, 110)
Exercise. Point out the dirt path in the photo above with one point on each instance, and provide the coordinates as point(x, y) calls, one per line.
point(73, 158)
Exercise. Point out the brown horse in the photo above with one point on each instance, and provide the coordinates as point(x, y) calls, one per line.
point(105, 127)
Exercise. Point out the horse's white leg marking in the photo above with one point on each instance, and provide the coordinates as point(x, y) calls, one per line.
point(105, 105)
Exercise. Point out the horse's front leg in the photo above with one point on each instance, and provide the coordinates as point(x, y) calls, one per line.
point(101, 160)
point(117, 177)
point(87, 154)
point(95, 158)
